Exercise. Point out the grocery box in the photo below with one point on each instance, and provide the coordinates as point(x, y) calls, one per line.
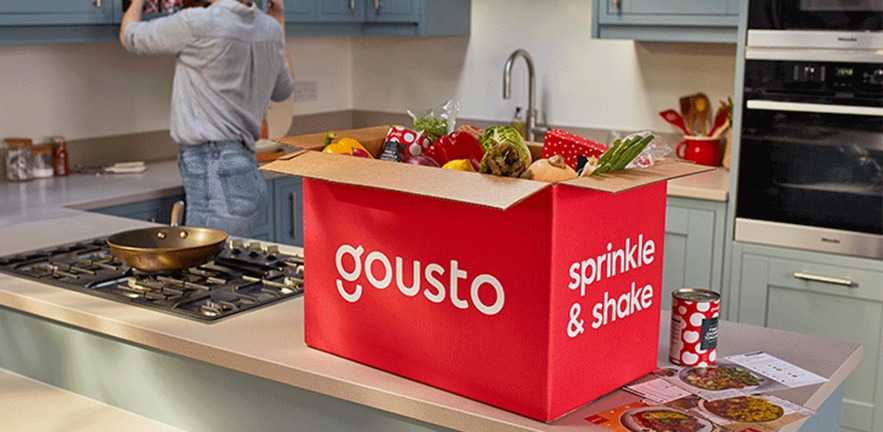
point(531, 297)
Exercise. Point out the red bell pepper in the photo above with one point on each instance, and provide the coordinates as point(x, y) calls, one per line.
point(457, 145)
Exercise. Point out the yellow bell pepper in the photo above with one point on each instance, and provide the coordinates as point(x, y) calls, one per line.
point(347, 146)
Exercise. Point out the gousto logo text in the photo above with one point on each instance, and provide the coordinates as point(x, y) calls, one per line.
point(352, 264)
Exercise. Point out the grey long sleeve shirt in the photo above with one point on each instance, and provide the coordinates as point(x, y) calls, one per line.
point(230, 64)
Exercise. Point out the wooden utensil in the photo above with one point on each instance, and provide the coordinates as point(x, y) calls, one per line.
point(688, 113)
point(702, 111)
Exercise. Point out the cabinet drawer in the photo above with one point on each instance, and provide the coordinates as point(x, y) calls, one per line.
point(827, 279)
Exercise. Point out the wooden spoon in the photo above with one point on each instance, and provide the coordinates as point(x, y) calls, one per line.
point(701, 108)
point(688, 113)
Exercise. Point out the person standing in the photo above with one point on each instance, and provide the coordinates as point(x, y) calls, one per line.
point(231, 62)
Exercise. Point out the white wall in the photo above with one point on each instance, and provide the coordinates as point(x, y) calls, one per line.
point(94, 90)
point(98, 89)
point(581, 81)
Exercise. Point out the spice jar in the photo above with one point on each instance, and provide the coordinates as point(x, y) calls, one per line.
point(41, 164)
point(18, 158)
point(60, 160)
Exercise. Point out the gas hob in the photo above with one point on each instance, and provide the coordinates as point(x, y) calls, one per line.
point(243, 276)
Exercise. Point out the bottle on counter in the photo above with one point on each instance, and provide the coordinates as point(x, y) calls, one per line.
point(518, 122)
point(60, 161)
point(41, 162)
point(18, 158)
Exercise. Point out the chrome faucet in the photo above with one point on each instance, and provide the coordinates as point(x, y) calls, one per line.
point(531, 94)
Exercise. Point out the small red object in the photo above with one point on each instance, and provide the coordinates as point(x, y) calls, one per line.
point(675, 119)
point(570, 146)
point(456, 145)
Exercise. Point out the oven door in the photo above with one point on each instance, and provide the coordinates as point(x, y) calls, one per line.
point(848, 15)
point(811, 177)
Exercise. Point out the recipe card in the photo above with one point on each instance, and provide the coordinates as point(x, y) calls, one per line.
point(777, 369)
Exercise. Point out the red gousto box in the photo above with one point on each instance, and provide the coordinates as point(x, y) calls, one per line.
point(530, 297)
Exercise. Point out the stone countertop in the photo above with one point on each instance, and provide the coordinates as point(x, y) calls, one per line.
point(269, 342)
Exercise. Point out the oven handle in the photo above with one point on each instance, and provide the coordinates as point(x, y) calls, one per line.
point(814, 108)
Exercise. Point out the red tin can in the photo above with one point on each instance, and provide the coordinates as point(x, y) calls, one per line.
point(694, 322)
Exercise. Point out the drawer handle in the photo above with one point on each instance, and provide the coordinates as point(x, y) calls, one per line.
point(352, 4)
point(97, 3)
point(617, 4)
point(377, 5)
point(826, 279)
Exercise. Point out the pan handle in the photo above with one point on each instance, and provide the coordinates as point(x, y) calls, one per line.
point(177, 213)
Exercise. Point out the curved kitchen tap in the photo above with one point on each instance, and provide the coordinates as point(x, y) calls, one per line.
point(531, 94)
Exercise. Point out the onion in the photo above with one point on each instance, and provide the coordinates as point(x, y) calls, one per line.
point(551, 170)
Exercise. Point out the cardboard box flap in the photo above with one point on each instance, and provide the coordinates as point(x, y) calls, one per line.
point(620, 181)
point(471, 188)
point(371, 137)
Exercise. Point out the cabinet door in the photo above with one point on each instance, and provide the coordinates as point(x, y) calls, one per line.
point(693, 258)
point(788, 294)
point(666, 20)
point(341, 10)
point(288, 202)
point(264, 229)
point(300, 10)
point(391, 11)
point(668, 7)
point(47, 12)
point(157, 210)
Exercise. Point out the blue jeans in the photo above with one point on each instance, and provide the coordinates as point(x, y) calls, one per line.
point(223, 187)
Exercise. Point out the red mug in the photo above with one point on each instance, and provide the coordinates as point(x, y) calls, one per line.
point(700, 149)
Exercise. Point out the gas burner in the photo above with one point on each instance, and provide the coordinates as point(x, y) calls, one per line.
point(244, 275)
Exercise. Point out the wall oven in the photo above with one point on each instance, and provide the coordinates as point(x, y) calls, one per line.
point(811, 141)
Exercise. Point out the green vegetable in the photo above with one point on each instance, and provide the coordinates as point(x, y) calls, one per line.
point(506, 134)
point(430, 127)
point(621, 153)
point(503, 159)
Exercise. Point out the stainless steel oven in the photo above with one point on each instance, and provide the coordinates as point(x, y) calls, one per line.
point(811, 142)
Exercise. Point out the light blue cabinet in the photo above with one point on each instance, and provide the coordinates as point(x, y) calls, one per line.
point(666, 20)
point(288, 209)
point(279, 221)
point(62, 21)
point(694, 246)
point(156, 210)
point(56, 12)
point(300, 11)
point(826, 295)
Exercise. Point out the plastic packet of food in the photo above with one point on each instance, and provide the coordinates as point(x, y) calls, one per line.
point(437, 121)
point(655, 151)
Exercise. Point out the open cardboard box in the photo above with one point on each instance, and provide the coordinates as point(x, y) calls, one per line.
point(531, 297)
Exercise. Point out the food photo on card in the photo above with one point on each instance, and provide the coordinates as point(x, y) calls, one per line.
point(641, 417)
point(725, 379)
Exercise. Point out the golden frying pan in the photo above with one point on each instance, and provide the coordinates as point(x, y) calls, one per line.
point(168, 248)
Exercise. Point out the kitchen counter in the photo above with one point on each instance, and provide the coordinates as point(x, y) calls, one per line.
point(262, 349)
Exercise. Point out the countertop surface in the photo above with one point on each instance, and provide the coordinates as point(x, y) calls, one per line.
point(269, 342)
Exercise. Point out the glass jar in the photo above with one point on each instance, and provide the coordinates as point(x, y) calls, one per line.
point(41, 164)
point(18, 158)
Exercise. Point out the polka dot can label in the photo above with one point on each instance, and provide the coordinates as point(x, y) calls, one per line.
point(694, 322)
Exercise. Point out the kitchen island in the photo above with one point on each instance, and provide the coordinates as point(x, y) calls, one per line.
point(252, 371)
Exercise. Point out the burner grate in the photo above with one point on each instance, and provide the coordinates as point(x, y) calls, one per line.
point(243, 276)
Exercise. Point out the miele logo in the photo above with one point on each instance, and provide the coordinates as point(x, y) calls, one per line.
point(830, 240)
point(379, 271)
point(847, 39)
